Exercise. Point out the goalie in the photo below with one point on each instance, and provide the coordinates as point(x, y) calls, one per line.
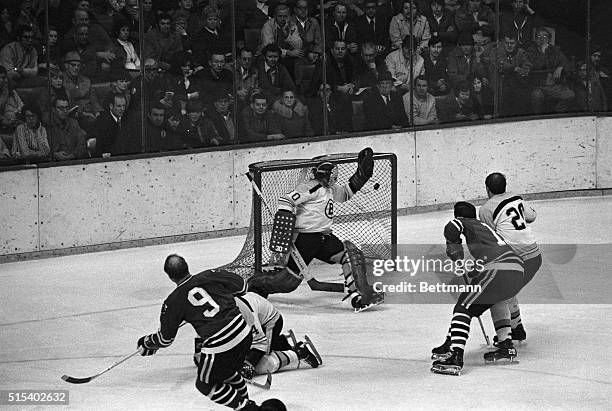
point(302, 228)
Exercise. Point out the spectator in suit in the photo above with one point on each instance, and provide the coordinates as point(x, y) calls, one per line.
point(442, 23)
point(222, 118)
point(272, 76)
point(339, 28)
point(157, 137)
point(110, 131)
point(338, 121)
point(473, 15)
point(31, 142)
point(423, 110)
point(550, 70)
point(309, 31)
point(458, 107)
point(373, 27)
point(409, 21)
point(405, 64)
point(383, 108)
point(246, 78)
point(258, 123)
point(368, 66)
point(66, 138)
point(293, 115)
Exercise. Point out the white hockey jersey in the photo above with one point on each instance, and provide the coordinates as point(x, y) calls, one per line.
point(313, 205)
point(259, 314)
point(509, 216)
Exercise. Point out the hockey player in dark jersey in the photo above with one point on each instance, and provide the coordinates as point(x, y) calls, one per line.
point(509, 215)
point(500, 278)
point(311, 205)
point(206, 301)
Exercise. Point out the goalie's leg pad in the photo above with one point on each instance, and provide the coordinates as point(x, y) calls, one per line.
point(281, 238)
point(274, 281)
point(354, 268)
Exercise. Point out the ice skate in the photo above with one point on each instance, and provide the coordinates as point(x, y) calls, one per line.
point(305, 355)
point(443, 351)
point(364, 302)
point(451, 365)
point(505, 353)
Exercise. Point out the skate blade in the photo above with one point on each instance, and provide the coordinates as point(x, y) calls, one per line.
point(448, 370)
point(367, 307)
point(292, 336)
point(313, 349)
point(440, 357)
point(503, 361)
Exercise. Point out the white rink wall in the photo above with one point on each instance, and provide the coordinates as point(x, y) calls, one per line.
point(139, 199)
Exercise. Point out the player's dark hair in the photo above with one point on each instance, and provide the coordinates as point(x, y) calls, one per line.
point(465, 209)
point(176, 267)
point(496, 183)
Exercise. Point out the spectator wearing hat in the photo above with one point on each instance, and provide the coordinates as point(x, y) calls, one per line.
point(222, 117)
point(158, 138)
point(197, 131)
point(20, 59)
point(406, 64)
point(80, 43)
point(383, 108)
point(463, 61)
point(441, 23)
point(373, 26)
point(78, 89)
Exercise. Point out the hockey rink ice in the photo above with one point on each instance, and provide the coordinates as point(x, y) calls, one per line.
point(78, 314)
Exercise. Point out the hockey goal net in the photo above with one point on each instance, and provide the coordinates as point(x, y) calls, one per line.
point(368, 219)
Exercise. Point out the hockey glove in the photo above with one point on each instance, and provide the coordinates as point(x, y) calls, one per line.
point(145, 347)
point(365, 169)
point(247, 370)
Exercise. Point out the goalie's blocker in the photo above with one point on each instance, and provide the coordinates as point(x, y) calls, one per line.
point(281, 238)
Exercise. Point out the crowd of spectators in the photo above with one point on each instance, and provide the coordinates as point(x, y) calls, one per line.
point(71, 89)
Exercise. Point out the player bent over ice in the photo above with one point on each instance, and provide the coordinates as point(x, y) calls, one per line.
point(270, 350)
point(206, 301)
point(510, 216)
point(500, 279)
point(311, 208)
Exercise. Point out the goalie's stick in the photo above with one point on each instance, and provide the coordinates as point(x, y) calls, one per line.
point(314, 284)
point(75, 380)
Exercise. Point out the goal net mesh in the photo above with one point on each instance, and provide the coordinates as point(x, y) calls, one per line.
point(368, 219)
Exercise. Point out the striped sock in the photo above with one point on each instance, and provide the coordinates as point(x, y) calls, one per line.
point(225, 394)
point(238, 383)
point(460, 329)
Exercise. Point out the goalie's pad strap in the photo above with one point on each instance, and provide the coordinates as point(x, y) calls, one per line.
point(358, 267)
point(282, 231)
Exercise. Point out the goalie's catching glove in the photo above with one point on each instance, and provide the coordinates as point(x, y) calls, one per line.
point(365, 169)
point(145, 346)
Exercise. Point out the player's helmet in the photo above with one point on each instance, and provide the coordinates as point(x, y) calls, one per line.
point(326, 173)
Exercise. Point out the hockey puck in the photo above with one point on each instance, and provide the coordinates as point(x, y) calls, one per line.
point(376, 186)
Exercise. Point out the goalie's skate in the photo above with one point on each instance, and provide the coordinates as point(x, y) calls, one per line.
point(505, 354)
point(363, 302)
point(451, 365)
point(443, 351)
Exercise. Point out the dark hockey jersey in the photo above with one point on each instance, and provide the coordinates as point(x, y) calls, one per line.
point(484, 243)
point(206, 301)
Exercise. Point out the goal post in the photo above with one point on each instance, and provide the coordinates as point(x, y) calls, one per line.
point(369, 219)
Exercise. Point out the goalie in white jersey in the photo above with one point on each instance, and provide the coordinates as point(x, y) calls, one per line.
point(270, 350)
point(510, 216)
point(311, 206)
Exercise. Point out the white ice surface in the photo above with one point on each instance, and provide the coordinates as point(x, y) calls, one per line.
point(77, 315)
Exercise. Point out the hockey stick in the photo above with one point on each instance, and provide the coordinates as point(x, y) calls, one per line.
point(265, 386)
point(75, 380)
point(314, 284)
